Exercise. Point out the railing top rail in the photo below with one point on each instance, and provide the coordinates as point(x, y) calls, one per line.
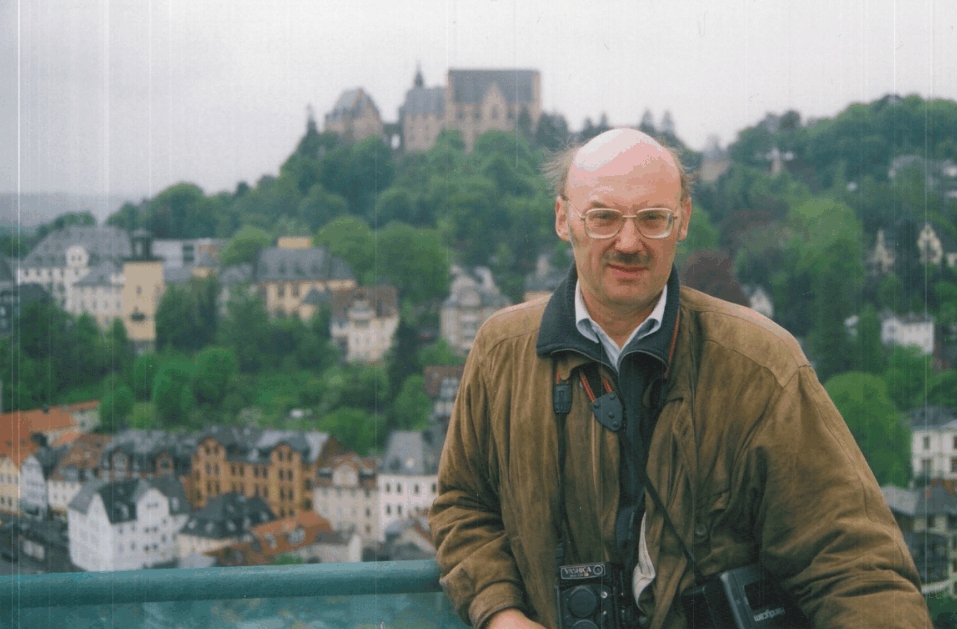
point(198, 584)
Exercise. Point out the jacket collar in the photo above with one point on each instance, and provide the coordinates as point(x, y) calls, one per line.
point(558, 332)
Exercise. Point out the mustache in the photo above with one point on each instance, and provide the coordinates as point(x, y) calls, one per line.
point(627, 259)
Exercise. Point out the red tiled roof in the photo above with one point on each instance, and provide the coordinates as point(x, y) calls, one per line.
point(15, 442)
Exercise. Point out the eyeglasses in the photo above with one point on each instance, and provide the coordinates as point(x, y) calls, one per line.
point(606, 222)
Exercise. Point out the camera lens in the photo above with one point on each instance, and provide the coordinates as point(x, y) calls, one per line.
point(582, 603)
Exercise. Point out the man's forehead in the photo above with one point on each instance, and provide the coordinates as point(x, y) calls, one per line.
point(619, 152)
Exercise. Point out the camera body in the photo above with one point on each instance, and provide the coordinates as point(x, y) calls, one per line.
point(593, 596)
point(743, 598)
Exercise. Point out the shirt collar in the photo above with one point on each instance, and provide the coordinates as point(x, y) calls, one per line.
point(590, 329)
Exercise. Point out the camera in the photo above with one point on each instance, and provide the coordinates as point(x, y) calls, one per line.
point(593, 596)
point(743, 598)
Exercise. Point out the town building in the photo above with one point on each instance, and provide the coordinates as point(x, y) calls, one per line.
point(186, 252)
point(283, 277)
point(915, 329)
point(880, 260)
point(225, 520)
point(934, 445)
point(278, 466)
point(306, 536)
point(409, 539)
point(9, 303)
point(364, 320)
point(66, 255)
point(15, 446)
point(34, 476)
point(347, 495)
point(442, 385)
point(53, 421)
point(473, 298)
point(38, 545)
point(126, 524)
point(354, 116)
point(148, 454)
point(543, 281)
point(477, 101)
point(77, 467)
point(99, 293)
point(142, 291)
point(408, 477)
point(422, 115)
point(928, 519)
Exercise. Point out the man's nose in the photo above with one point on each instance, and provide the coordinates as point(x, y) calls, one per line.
point(628, 239)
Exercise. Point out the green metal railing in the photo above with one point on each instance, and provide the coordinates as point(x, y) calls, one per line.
point(205, 584)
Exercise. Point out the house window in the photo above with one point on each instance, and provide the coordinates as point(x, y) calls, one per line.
point(388, 509)
point(927, 443)
point(931, 521)
point(953, 465)
point(955, 442)
point(281, 291)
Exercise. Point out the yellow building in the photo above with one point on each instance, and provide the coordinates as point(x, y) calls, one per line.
point(284, 277)
point(278, 466)
point(142, 292)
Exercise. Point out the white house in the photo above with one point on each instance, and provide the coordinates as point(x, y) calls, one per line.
point(934, 443)
point(473, 298)
point(910, 329)
point(346, 494)
point(34, 475)
point(127, 524)
point(408, 478)
point(364, 320)
point(99, 293)
point(66, 255)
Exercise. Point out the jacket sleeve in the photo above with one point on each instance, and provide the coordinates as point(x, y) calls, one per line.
point(478, 571)
point(823, 526)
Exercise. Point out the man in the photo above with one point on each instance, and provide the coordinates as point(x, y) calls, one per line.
point(751, 459)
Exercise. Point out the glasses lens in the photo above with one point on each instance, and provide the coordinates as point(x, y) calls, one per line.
point(603, 222)
point(655, 223)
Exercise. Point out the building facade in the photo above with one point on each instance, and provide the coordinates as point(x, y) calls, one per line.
point(143, 289)
point(78, 466)
point(354, 116)
point(914, 329)
point(284, 277)
point(408, 478)
point(364, 319)
point(473, 298)
point(422, 115)
point(347, 495)
point(99, 293)
point(477, 101)
point(34, 477)
point(225, 520)
point(934, 445)
point(928, 519)
point(126, 525)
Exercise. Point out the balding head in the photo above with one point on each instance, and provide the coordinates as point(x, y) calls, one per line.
point(634, 146)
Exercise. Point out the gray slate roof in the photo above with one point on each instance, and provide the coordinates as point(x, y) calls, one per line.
point(314, 263)
point(470, 86)
point(468, 284)
point(414, 453)
point(920, 502)
point(143, 446)
point(120, 497)
point(423, 100)
point(100, 242)
point(253, 445)
point(350, 105)
point(49, 458)
point(101, 274)
point(931, 417)
point(228, 515)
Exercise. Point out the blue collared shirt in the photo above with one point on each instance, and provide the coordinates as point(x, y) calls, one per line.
point(593, 332)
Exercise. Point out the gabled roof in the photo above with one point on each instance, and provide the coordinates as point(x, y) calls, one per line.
point(143, 446)
point(317, 298)
point(101, 275)
point(47, 419)
point(120, 497)
point(101, 243)
point(414, 453)
point(423, 100)
point(170, 487)
point(474, 288)
point(48, 458)
point(470, 86)
point(254, 445)
point(350, 105)
point(313, 263)
point(15, 441)
point(228, 515)
point(382, 300)
point(82, 458)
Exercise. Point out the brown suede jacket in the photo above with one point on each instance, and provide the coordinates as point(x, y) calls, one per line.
point(750, 456)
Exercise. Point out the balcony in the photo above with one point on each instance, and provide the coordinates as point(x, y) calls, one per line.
point(318, 596)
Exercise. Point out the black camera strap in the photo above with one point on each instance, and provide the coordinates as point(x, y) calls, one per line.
point(561, 400)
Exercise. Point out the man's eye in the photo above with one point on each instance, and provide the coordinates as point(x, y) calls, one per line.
point(604, 216)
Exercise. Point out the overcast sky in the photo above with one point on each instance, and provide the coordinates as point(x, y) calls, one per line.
point(129, 96)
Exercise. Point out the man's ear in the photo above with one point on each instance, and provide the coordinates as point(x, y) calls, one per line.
point(561, 219)
point(685, 219)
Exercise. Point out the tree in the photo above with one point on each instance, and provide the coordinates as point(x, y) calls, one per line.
point(172, 391)
point(439, 353)
point(244, 245)
point(320, 206)
point(412, 406)
point(245, 329)
point(187, 315)
point(908, 376)
point(875, 423)
point(868, 350)
point(116, 405)
point(356, 429)
point(351, 239)
point(418, 261)
point(144, 372)
point(215, 367)
point(943, 390)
